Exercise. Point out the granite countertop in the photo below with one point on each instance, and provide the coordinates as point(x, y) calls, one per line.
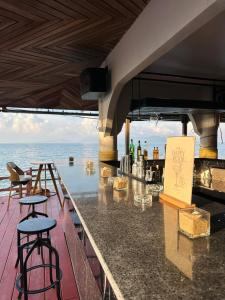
point(140, 249)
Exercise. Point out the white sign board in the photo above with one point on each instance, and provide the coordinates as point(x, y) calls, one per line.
point(179, 165)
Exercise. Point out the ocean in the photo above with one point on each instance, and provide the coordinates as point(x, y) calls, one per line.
point(24, 154)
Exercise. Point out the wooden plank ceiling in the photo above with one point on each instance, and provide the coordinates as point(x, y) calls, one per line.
point(45, 44)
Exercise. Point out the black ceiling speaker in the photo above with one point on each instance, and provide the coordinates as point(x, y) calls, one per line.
point(93, 83)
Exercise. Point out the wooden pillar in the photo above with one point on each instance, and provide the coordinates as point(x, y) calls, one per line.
point(127, 136)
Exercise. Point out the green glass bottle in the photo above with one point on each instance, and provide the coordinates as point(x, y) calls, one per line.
point(132, 149)
point(138, 150)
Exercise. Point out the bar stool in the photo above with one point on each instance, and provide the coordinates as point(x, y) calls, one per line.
point(32, 201)
point(37, 226)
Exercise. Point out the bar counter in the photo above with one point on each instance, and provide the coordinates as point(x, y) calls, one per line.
point(140, 249)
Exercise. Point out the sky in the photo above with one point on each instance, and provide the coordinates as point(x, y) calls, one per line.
point(29, 128)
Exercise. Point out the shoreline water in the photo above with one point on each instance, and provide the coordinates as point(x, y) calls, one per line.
point(24, 154)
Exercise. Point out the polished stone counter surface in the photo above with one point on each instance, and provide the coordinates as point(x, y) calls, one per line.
point(140, 249)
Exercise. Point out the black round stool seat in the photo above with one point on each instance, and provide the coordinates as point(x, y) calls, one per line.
point(36, 225)
point(33, 200)
point(30, 200)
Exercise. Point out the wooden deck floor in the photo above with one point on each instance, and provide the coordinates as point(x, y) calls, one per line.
point(8, 253)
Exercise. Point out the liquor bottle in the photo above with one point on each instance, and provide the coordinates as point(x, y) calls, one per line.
point(157, 153)
point(145, 151)
point(153, 153)
point(138, 150)
point(132, 149)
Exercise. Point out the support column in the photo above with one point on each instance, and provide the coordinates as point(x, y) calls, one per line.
point(107, 141)
point(206, 126)
point(127, 136)
point(107, 147)
point(184, 126)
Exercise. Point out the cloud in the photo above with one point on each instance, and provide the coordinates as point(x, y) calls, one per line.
point(89, 126)
point(152, 129)
point(25, 128)
point(29, 124)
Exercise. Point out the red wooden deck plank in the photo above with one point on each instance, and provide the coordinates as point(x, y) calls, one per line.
point(37, 278)
point(3, 209)
point(68, 281)
point(8, 274)
point(6, 221)
point(7, 238)
point(69, 288)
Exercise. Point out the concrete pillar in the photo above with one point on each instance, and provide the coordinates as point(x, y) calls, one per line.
point(107, 147)
point(127, 136)
point(107, 141)
point(206, 126)
point(184, 126)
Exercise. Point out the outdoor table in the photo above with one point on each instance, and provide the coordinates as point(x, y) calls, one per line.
point(47, 166)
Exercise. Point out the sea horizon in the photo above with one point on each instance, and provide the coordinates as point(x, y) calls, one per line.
point(23, 154)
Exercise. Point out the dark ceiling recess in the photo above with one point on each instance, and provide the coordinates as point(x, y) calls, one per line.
point(145, 106)
point(93, 83)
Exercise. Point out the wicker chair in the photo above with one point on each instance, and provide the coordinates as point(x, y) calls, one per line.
point(17, 178)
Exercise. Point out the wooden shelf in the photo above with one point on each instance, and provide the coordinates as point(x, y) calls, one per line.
point(163, 198)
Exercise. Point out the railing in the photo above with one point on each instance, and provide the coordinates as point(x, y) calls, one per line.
point(31, 172)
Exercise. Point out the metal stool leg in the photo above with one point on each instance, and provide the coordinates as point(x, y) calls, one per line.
point(18, 247)
point(50, 262)
point(42, 254)
point(20, 260)
point(50, 256)
point(25, 283)
point(58, 272)
point(58, 289)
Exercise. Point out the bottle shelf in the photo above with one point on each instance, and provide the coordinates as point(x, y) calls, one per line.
point(137, 178)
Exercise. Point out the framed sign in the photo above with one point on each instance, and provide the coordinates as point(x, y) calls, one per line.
point(179, 165)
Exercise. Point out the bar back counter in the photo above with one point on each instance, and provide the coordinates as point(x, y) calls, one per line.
point(139, 247)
